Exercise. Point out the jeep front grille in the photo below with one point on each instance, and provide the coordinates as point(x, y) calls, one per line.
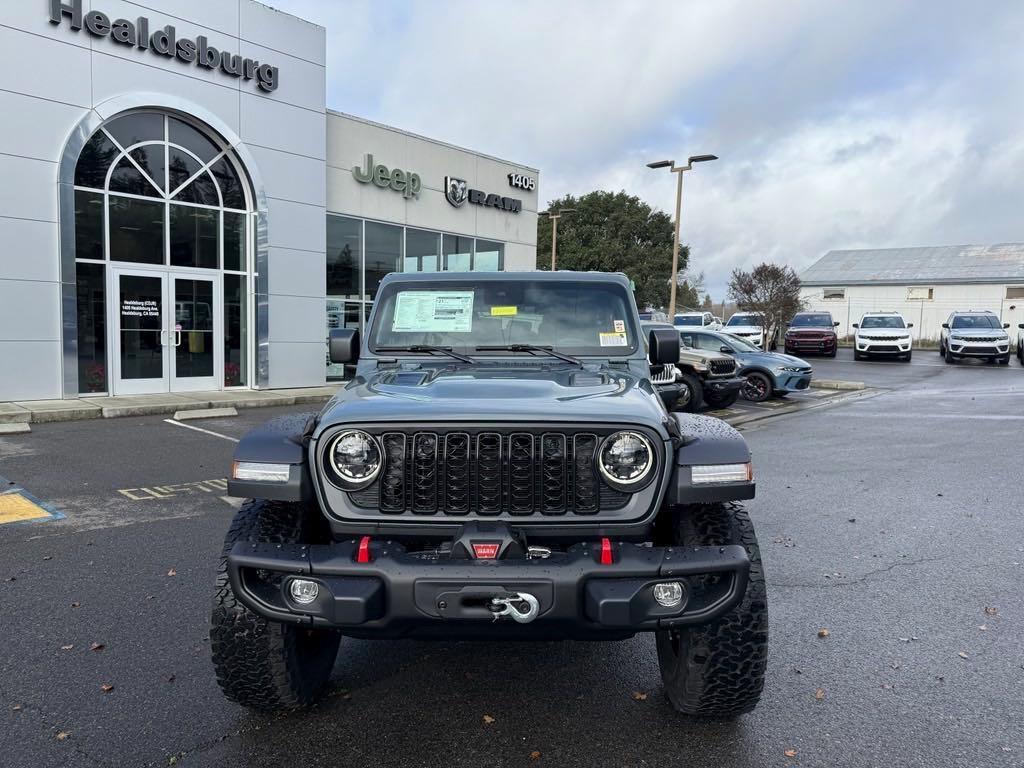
point(490, 473)
point(723, 367)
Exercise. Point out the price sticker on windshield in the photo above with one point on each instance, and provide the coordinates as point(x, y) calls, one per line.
point(613, 340)
point(620, 326)
point(504, 311)
point(433, 311)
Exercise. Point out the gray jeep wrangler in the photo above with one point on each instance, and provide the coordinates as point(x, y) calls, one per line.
point(499, 467)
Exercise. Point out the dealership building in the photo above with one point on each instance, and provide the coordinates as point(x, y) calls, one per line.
point(180, 211)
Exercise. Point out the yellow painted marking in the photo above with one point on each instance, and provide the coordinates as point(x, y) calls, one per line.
point(218, 485)
point(15, 508)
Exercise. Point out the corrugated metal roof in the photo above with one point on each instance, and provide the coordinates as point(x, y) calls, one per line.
point(944, 264)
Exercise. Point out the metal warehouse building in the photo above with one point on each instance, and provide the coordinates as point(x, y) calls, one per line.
point(180, 211)
point(924, 284)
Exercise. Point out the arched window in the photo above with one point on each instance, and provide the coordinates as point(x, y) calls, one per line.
point(153, 189)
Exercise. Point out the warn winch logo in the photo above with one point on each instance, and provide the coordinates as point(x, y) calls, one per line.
point(485, 551)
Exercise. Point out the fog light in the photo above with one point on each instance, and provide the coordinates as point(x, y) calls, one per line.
point(304, 591)
point(669, 594)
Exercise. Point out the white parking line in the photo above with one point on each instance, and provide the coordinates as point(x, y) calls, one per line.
point(957, 416)
point(200, 429)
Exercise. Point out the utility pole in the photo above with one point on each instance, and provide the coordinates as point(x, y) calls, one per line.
point(555, 216)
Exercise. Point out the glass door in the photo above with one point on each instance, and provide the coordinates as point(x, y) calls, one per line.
point(140, 333)
point(196, 334)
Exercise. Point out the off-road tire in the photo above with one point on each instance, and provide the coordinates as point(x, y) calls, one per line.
point(696, 399)
point(261, 664)
point(723, 401)
point(717, 670)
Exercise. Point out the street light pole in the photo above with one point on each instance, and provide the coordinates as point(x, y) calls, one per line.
point(555, 216)
point(671, 165)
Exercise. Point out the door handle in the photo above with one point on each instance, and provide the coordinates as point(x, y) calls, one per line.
point(163, 337)
point(177, 337)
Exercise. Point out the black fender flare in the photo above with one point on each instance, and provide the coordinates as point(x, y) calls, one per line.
point(706, 440)
point(282, 440)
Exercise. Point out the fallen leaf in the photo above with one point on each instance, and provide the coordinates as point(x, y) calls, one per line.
point(535, 755)
point(983, 627)
point(172, 572)
point(488, 720)
point(639, 696)
point(47, 557)
point(16, 708)
point(823, 633)
point(170, 678)
point(938, 494)
point(63, 735)
point(991, 610)
point(852, 520)
point(66, 647)
point(819, 694)
point(106, 687)
point(895, 665)
point(962, 655)
point(75, 605)
point(790, 753)
point(886, 686)
point(97, 647)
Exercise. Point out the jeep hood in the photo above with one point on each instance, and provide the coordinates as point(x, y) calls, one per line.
point(486, 392)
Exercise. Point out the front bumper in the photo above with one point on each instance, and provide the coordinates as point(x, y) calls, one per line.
point(399, 593)
point(789, 381)
point(968, 348)
point(724, 386)
point(895, 346)
point(825, 345)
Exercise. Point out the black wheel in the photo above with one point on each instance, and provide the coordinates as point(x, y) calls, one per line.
point(907, 356)
point(758, 387)
point(691, 394)
point(857, 355)
point(1005, 359)
point(263, 664)
point(942, 349)
point(949, 357)
point(721, 401)
point(832, 353)
point(717, 669)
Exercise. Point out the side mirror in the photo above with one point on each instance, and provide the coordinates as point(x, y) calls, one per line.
point(835, 323)
point(945, 325)
point(663, 346)
point(725, 349)
point(855, 325)
point(343, 345)
point(909, 325)
point(1006, 325)
point(1020, 325)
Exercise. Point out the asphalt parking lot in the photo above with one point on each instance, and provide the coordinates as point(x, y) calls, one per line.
point(888, 517)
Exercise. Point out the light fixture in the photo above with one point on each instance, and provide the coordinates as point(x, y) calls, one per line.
point(669, 594)
point(303, 591)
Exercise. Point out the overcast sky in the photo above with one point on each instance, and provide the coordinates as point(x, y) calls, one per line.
point(838, 124)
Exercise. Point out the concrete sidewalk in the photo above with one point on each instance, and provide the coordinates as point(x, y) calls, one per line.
point(38, 411)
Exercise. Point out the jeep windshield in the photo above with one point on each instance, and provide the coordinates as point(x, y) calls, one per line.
point(689, 320)
point(976, 321)
point(882, 322)
point(812, 321)
point(745, 320)
point(570, 317)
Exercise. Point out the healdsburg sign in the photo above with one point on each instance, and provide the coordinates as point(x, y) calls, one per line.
point(163, 42)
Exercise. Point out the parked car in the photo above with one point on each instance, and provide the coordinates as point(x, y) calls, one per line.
point(767, 373)
point(1020, 343)
point(751, 326)
point(697, 320)
point(654, 315)
point(812, 332)
point(975, 333)
point(479, 479)
point(703, 377)
point(882, 333)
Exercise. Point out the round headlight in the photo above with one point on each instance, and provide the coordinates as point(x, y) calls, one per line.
point(626, 458)
point(355, 457)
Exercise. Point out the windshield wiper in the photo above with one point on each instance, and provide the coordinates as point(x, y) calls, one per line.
point(530, 348)
point(428, 349)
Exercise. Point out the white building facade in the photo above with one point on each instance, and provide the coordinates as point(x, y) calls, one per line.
point(180, 211)
point(923, 284)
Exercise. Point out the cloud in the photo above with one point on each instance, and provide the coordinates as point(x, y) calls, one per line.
point(838, 124)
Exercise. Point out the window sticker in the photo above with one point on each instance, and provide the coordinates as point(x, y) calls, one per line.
point(433, 311)
point(613, 340)
point(620, 326)
point(504, 311)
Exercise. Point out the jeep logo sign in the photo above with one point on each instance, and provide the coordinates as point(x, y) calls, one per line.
point(163, 42)
point(406, 182)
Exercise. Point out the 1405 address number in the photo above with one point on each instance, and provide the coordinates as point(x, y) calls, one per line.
point(522, 181)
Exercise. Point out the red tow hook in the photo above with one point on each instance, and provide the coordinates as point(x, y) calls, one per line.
point(363, 553)
point(606, 552)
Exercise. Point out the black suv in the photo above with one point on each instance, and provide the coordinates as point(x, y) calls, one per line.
point(499, 467)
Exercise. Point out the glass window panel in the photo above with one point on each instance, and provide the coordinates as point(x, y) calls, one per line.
point(88, 225)
point(136, 230)
point(136, 127)
point(458, 253)
point(230, 184)
point(181, 133)
point(181, 168)
point(489, 256)
point(236, 347)
point(193, 312)
point(92, 328)
point(94, 162)
point(201, 191)
point(383, 254)
point(127, 178)
point(194, 235)
point(141, 312)
point(234, 241)
point(422, 250)
point(344, 245)
point(151, 159)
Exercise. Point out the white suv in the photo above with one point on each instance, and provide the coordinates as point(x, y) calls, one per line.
point(750, 326)
point(882, 333)
point(703, 320)
point(975, 334)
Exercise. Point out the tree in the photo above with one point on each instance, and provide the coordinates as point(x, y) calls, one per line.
point(708, 303)
point(690, 287)
point(769, 289)
point(614, 232)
